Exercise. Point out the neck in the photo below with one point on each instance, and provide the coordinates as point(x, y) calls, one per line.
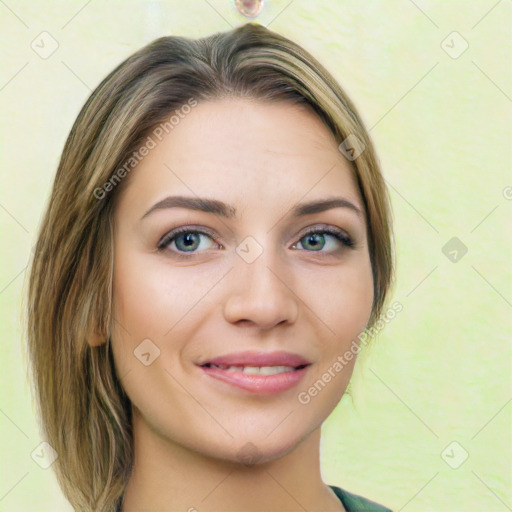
point(168, 476)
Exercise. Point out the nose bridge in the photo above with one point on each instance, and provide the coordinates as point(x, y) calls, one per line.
point(258, 292)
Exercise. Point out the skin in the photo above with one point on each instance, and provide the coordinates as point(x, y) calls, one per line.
point(189, 429)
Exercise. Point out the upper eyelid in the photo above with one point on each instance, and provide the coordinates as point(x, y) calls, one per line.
point(186, 229)
point(207, 231)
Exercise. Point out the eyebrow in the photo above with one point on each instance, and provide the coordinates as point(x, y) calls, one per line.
point(224, 210)
point(193, 203)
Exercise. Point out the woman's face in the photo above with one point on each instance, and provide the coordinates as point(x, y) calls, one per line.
point(242, 286)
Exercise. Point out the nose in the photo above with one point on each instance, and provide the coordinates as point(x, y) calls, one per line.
point(259, 294)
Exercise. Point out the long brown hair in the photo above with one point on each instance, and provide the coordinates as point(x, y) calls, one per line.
point(86, 415)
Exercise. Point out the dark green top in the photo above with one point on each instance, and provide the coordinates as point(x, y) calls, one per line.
point(355, 503)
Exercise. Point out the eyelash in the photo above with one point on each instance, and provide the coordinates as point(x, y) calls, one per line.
point(170, 236)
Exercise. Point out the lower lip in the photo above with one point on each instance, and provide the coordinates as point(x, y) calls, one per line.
point(261, 384)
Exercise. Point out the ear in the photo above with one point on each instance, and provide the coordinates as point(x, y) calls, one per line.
point(95, 340)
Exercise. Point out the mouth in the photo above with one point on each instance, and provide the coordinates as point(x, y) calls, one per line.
point(255, 370)
point(258, 372)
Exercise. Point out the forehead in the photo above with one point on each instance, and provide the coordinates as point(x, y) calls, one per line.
point(248, 153)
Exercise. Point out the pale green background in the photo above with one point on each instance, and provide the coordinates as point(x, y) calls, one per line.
point(440, 371)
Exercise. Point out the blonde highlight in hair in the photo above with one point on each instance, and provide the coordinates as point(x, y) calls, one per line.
point(85, 414)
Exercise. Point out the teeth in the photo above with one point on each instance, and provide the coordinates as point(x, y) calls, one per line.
point(256, 370)
point(234, 368)
point(267, 370)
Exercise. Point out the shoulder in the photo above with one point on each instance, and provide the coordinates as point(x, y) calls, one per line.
point(355, 503)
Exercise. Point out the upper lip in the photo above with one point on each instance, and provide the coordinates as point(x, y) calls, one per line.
point(258, 358)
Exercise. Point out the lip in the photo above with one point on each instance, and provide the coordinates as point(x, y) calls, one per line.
point(258, 358)
point(259, 384)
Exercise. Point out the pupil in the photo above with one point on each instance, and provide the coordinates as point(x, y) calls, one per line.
point(188, 240)
point(314, 240)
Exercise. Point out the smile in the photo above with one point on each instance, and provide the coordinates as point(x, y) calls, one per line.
point(255, 370)
point(258, 372)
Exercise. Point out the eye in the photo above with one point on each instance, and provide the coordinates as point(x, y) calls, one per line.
point(315, 239)
point(187, 240)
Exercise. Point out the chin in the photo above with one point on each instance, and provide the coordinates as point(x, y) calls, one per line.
point(256, 451)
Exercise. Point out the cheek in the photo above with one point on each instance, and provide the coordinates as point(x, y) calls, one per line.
point(344, 305)
point(345, 298)
point(144, 296)
point(151, 298)
point(137, 316)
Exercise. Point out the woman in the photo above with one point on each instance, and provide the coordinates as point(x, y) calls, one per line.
point(217, 239)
